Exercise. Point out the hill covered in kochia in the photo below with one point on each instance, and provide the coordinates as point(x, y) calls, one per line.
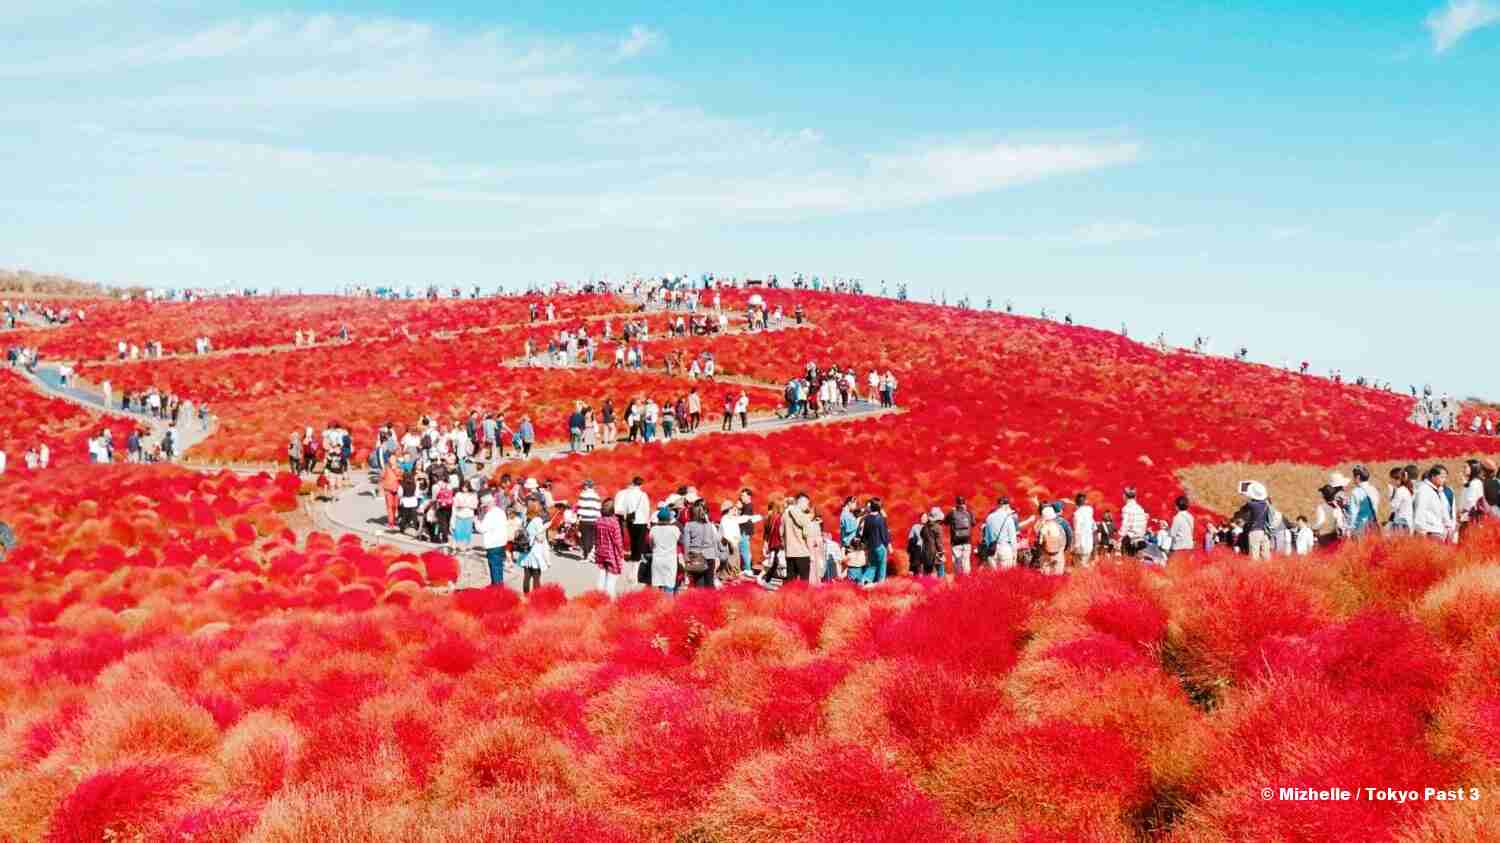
point(1003, 403)
point(176, 662)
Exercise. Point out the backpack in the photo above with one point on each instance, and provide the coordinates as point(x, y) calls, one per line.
point(426, 441)
point(963, 524)
point(1052, 538)
point(521, 544)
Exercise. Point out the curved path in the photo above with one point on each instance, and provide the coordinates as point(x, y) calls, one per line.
point(359, 509)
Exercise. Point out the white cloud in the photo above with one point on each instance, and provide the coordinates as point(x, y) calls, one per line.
point(1453, 22)
point(1113, 233)
point(641, 39)
point(346, 128)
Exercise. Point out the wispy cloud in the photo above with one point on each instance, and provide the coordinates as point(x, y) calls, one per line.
point(1458, 19)
point(641, 39)
point(429, 134)
point(1114, 233)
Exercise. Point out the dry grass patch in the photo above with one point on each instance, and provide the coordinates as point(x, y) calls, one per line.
point(1293, 486)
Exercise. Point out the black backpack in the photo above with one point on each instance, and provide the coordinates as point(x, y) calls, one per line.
point(914, 546)
point(521, 544)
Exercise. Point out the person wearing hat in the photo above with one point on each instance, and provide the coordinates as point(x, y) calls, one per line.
point(665, 536)
point(1052, 543)
point(1255, 515)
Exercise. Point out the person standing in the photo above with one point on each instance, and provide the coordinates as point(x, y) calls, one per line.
point(1132, 524)
point(1001, 529)
point(665, 536)
point(1255, 515)
point(1432, 514)
point(1083, 530)
point(590, 509)
point(1402, 496)
point(609, 549)
point(798, 531)
point(607, 420)
point(742, 409)
point(1363, 510)
point(1182, 528)
point(633, 507)
point(535, 559)
point(494, 533)
point(390, 485)
point(1052, 542)
point(527, 435)
point(960, 523)
point(700, 545)
point(877, 540)
point(465, 504)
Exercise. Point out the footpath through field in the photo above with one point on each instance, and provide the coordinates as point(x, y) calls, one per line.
point(359, 509)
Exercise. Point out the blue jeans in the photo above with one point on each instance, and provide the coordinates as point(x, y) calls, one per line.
point(744, 552)
point(649, 430)
point(874, 570)
point(495, 557)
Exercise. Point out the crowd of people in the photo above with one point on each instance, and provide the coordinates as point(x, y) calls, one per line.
point(681, 540)
point(14, 313)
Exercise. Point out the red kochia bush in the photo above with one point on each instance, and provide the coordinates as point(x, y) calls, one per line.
point(803, 793)
point(990, 608)
point(1378, 652)
point(120, 802)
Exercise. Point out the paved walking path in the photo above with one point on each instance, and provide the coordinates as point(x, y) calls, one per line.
point(359, 509)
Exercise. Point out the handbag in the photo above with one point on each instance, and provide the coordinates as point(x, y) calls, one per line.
point(643, 572)
point(695, 563)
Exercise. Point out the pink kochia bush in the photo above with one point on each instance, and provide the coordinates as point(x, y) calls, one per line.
point(1107, 706)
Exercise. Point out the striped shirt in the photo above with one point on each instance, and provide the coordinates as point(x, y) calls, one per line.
point(588, 506)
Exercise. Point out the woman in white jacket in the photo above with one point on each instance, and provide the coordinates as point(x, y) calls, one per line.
point(1432, 515)
point(1402, 497)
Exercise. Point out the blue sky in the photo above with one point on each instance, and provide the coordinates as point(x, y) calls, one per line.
point(1312, 181)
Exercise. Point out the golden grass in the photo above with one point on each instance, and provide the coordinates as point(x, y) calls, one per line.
point(1293, 486)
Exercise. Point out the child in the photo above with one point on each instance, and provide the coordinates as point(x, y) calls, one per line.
point(1305, 538)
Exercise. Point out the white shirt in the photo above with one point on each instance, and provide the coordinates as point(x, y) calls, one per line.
point(494, 528)
point(1083, 528)
point(1473, 494)
point(633, 504)
point(1401, 505)
point(1182, 530)
point(742, 404)
point(1431, 514)
point(1304, 541)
